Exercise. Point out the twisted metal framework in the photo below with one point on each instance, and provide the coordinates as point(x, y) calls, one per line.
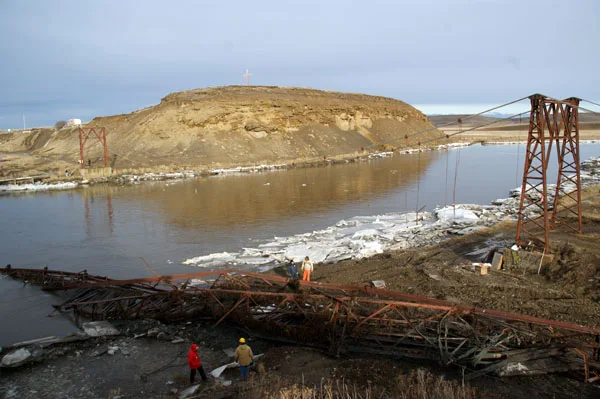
point(551, 122)
point(341, 319)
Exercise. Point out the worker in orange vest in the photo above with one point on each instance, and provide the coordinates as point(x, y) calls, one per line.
point(307, 268)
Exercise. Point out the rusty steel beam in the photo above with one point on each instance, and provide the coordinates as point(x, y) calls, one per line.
point(56, 280)
point(275, 283)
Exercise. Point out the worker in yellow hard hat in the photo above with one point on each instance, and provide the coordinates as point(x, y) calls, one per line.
point(244, 356)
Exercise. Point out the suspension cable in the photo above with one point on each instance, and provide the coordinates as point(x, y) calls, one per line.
point(418, 185)
point(467, 130)
point(418, 132)
point(446, 187)
point(591, 102)
point(454, 188)
point(481, 126)
point(518, 152)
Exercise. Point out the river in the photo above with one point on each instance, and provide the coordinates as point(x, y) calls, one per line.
point(107, 229)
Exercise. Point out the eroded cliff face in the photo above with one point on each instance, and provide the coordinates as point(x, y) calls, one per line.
point(242, 125)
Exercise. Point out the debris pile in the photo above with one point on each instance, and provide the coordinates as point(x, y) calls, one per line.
point(340, 319)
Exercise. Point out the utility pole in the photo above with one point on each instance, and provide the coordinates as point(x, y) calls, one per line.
point(247, 76)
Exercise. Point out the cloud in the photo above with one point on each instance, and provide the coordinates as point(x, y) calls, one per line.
point(112, 56)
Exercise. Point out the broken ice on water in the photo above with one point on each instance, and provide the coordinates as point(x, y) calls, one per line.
point(354, 238)
point(364, 236)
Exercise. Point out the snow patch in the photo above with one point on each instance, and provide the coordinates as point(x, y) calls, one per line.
point(247, 169)
point(16, 357)
point(452, 146)
point(99, 329)
point(38, 187)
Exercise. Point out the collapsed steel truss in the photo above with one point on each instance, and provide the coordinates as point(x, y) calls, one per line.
point(551, 122)
point(342, 319)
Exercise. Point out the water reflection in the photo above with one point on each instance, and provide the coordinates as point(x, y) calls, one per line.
point(258, 198)
point(98, 213)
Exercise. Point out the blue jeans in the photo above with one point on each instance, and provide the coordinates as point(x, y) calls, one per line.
point(244, 370)
point(292, 271)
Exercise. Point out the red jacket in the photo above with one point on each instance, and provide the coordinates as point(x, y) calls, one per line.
point(193, 358)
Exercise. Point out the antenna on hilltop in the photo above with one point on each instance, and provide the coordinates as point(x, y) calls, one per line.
point(23, 121)
point(247, 76)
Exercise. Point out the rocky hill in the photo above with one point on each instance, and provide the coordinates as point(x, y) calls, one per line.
point(238, 125)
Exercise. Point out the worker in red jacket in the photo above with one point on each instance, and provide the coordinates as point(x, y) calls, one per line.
point(195, 364)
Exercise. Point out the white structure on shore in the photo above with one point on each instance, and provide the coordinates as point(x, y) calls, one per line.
point(74, 122)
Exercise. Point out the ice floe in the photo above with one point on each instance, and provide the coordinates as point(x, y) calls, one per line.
point(452, 214)
point(210, 260)
point(442, 147)
point(504, 142)
point(247, 169)
point(451, 146)
point(384, 154)
point(129, 178)
point(38, 187)
point(365, 236)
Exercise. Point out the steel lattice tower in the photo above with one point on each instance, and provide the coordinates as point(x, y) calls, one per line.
point(551, 122)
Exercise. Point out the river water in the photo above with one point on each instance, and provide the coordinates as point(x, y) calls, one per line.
point(107, 229)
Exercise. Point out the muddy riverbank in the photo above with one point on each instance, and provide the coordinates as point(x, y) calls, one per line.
point(148, 360)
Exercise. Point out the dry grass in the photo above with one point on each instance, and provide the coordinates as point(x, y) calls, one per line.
point(420, 384)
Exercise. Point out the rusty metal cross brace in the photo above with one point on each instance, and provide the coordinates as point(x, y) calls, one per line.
point(100, 134)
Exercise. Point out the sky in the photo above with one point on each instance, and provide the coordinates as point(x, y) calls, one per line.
point(67, 59)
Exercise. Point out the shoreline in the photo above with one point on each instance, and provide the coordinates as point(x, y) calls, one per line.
point(365, 236)
point(128, 177)
point(158, 173)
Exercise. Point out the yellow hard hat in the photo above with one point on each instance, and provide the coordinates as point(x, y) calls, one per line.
point(242, 341)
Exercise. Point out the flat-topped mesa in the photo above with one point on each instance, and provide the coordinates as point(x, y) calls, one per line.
point(246, 125)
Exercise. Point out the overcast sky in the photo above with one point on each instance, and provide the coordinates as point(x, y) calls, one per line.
point(79, 59)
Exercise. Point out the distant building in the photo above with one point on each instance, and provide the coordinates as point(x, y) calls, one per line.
point(74, 122)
